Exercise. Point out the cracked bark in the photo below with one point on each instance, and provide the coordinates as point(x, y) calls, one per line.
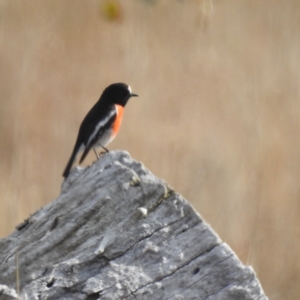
point(118, 232)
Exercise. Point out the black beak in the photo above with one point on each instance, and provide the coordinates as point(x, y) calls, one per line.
point(134, 95)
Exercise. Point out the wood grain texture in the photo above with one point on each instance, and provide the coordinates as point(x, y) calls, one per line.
point(118, 232)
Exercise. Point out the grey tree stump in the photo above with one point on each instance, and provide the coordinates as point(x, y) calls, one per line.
point(118, 232)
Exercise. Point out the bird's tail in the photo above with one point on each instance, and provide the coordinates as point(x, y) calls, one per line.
point(85, 153)
point(71, 161)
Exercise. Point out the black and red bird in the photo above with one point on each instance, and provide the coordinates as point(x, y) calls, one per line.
point(102, 123)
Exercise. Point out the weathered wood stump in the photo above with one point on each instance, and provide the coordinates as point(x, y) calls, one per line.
point(118, 232)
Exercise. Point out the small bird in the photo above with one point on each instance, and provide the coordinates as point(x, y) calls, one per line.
point(102, 123)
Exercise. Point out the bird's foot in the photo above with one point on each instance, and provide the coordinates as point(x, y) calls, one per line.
point(97, 155)
point(105, 149)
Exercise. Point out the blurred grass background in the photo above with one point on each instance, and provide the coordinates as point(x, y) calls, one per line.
point(218, 115)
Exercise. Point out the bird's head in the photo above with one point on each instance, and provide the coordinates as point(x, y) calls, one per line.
point(118, 93)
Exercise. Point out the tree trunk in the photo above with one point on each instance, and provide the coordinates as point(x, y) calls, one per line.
point(118, 232)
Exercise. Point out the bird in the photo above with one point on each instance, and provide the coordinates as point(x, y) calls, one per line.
point(102, 123)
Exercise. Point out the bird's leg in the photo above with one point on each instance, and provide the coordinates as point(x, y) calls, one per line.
point(96, 153)
point(106, 150)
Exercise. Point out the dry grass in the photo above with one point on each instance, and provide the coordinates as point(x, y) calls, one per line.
point(218, 115)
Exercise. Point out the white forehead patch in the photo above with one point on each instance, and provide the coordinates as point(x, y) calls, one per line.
point(129, 89)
